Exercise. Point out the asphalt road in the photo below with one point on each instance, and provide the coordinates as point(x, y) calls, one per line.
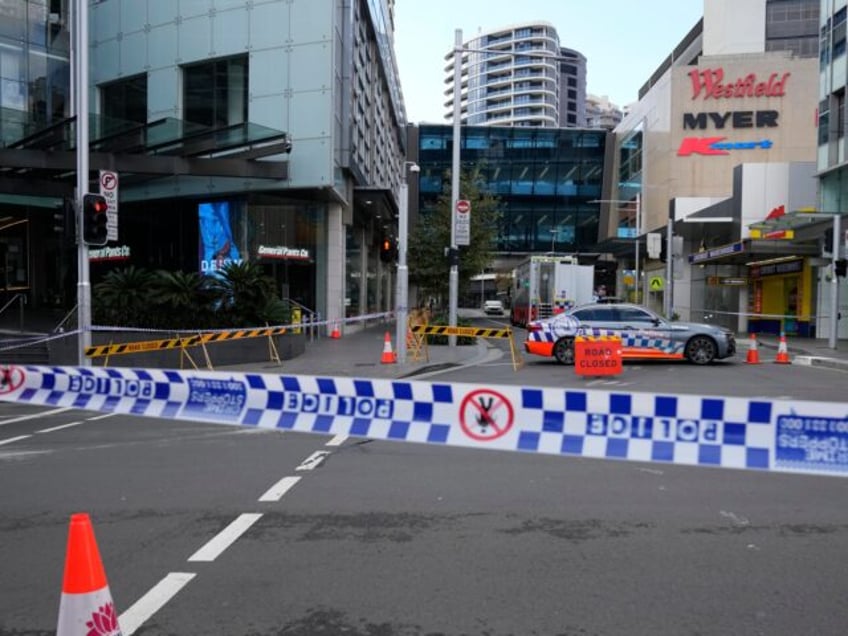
point(369, 538)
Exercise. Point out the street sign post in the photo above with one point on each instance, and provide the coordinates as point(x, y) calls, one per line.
point(463, 222)
point(109, 191)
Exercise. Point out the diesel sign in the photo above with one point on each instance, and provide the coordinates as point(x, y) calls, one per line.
point(732, 119)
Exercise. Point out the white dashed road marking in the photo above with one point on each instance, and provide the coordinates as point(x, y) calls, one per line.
point(153, 601)
point(276, 492)
point(214, 548)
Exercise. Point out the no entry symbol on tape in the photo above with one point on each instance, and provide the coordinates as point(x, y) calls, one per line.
point(486, 415)
point(11, 379)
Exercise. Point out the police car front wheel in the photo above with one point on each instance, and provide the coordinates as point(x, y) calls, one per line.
point(564, 350)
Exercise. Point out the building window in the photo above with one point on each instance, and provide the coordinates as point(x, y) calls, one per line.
point(125, 99)
point(215, 93)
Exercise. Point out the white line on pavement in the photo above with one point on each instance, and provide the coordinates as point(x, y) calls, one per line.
point(58, 428)
point(100, 417)
point(153, 601)
point(213, 549)
point(32, 416)
point(13, 439)
point(313, 460)
point(276, 492)
point(338, 440)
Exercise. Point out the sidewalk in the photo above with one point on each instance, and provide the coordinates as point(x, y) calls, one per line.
point(802, 351)
point(358, 355)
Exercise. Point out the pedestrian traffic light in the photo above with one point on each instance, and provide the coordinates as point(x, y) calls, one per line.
point(841, 267)
point(388, 253)
point(94, 208)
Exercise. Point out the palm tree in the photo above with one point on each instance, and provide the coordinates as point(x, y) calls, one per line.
point(185, 299)
point(124, 298)
point(246, 297)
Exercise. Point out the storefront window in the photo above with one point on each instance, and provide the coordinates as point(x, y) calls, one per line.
point(353, 269)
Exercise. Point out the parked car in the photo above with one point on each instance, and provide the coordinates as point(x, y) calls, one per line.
point(644, 334)
point(493, 308)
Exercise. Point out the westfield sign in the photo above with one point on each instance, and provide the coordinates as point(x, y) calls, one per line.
point(711, 83)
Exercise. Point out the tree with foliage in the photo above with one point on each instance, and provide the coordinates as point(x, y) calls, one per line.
point(429, 268)
point(242, 296)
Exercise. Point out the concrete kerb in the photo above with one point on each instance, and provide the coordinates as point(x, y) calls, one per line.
point(810, 352)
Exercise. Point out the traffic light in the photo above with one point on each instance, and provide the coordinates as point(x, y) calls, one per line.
point(94, 218)
point(841, 267)
point(388, 252)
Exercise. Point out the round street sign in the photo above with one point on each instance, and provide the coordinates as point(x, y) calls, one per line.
point(486, 415)
point(463, 205)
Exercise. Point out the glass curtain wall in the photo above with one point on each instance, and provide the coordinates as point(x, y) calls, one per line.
point(544, 178)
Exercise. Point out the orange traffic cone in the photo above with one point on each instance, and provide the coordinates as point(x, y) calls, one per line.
point(336, 334)
point(753, 352)
point(86, 606)
point(388, 356)
point(782, 351)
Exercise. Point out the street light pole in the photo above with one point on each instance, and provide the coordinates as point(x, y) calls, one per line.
point(402, 291)
point(81, 113)
point(638, 235)
point(453, 279)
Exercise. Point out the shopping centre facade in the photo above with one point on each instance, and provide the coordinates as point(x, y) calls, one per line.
point(720, 154)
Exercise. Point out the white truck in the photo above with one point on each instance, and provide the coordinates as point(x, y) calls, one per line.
point(544, 286)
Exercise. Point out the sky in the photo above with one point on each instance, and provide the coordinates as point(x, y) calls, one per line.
point(624, 41)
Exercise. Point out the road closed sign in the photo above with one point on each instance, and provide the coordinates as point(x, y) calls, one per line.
point(597, 355)
point(463, 222)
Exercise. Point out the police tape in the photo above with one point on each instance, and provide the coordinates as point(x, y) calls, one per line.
point(96, 351)
point(473, 332)
point(742, 433)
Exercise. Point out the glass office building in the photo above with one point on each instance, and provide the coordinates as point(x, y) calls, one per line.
point(548, 181)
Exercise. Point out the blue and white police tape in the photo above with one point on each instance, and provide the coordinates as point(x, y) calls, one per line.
point(742, 433)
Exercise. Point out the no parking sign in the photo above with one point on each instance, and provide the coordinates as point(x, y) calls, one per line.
point(109, 190)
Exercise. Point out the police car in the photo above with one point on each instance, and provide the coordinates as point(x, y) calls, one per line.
point(644, 334)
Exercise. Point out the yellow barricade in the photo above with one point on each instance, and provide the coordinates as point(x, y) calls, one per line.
point(97, 351)
point(471, 332)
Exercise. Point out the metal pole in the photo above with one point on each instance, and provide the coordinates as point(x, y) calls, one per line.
point(402, 295)
point(453, 280)
point(638, 235)
point(81, 91)
point(834, 286)
point(669, 269)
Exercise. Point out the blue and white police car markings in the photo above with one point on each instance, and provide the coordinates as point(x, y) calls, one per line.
point(750, 433)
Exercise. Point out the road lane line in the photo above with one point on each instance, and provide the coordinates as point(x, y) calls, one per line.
point(313, 460)
point(59, 428)
point(13, 439)
point(213, 549)
point(338, 440)
point(32, 416)
point(100, 417)
point(276, 492)
point(153, 601)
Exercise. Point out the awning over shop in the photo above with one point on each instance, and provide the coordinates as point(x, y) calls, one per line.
point(43, 162)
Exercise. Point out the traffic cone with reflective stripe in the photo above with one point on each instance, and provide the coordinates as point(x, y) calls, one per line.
point(753, 352)
point(336, 334)
point(388, 356)
point(782, 351)
point(86, 607)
